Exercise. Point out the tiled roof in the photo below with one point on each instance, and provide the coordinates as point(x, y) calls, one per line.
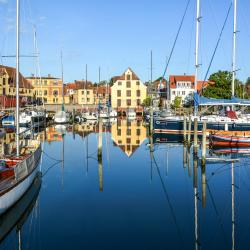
point(123, 76)
point(203, 84)
point(173, 79)
point(23, 83)
point(83, 85)
point(102, 90)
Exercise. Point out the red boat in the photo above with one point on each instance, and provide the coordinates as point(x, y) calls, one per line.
point(218, 140)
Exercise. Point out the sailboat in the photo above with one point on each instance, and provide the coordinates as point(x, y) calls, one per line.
point(228, 120)
point(62, 116)
point(17, 172)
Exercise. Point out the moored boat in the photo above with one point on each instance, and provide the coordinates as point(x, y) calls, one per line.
point(218, 140)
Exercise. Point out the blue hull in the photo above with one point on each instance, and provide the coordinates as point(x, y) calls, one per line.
point(161, 125)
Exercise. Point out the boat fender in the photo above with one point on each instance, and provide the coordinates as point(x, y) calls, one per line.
point(157, 122)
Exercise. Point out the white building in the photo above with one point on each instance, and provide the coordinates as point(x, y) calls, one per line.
point(181, 85)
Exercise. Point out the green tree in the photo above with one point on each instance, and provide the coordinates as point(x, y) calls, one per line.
point(177, 102)
point(147, 101)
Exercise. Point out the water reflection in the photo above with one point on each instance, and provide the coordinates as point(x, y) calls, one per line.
point(133, 191)
point(17, 216)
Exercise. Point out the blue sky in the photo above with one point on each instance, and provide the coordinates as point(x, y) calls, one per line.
point(116, 34)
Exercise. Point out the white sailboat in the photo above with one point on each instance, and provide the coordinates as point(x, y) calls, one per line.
point(17, 172)
point(62, 116)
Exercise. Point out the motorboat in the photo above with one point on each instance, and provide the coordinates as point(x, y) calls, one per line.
point(131, 114)
point(90, 116)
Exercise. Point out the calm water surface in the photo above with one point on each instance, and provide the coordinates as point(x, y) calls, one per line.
point(136, 197)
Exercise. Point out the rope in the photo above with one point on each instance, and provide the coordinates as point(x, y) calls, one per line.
point(175, 41)
point(216, 47)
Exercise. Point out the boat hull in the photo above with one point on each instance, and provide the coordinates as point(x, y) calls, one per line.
point(165, 125)
point(10, 195)
point(229, 141)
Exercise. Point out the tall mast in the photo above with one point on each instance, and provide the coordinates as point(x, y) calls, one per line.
point(17, 77)
point(234, 47)
point(151, 83)
point(197, 48)
point(62, 82)
point(86, 81)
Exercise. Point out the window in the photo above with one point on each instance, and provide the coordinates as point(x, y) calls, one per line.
point(128, 123)
point(88, 99)
point(173, 92)
point(128, 76)
point(138, 92)
point(55, 92)
point(119, 142)
point(128, 140)
point(87, 92)
point(128, 84)
point(128, 131)
point(45, 100)
point(138, 132)
point(128, 147)
point(45, 92)
point(3, 81)
point(183, 92)
point(138, 123)
point(119, 83)
point(119, 102)
point(138, 101)
point(137, 83)
point(82, 92)
point(128, 92)
point(138, 142)
point(40, 92)
point(119, 93)
point(45, 82)
point(119, 132)
point(128, 102)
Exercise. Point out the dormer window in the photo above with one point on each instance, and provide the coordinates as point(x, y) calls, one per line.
point(128, 77)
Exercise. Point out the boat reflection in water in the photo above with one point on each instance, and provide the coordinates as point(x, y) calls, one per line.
point(18, 214)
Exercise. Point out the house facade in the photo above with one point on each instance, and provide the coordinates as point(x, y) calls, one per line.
point(128, 92)
point(8, 87)
point(47, 88)
point(181, 86)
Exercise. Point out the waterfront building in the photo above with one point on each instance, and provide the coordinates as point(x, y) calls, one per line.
point(47, 88)
point(158, 91)
point(128, 135)
point(128, 92)
point(181, 86)
point(84, 93)
point(102, 95)
point(8, 87)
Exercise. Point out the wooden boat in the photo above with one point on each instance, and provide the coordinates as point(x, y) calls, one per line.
point(17, 173)
point(218, 140)
point(18, 214)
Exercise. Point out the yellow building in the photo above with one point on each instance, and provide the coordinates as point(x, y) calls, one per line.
point(49, 89)
point(128, 92)
point(85, 93)
point(102, 95)
point(128, 135)
point(8, 86)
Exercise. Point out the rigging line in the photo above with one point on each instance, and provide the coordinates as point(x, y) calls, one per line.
point(168, 199)
point(49, 168)
point(175, 41)
point(216, 47)
point(218, 215)
point(50, 157)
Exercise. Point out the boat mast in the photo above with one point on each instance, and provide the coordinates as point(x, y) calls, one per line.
point(234, 48)
point(86, 81)
point(233, 212)
point(197, 49)
point(17, 77)
point(62, 81)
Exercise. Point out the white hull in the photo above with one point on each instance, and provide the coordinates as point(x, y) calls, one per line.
point(61, 117)
point(25, 174)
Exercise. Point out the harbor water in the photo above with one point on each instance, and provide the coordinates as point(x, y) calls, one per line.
point(140, 194)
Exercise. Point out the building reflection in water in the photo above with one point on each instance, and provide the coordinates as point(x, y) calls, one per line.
point(128, 135)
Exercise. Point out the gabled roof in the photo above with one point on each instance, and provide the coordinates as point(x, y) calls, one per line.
point(123, 76)
point(173, 79)
point(23, 83)
point(83, 85)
